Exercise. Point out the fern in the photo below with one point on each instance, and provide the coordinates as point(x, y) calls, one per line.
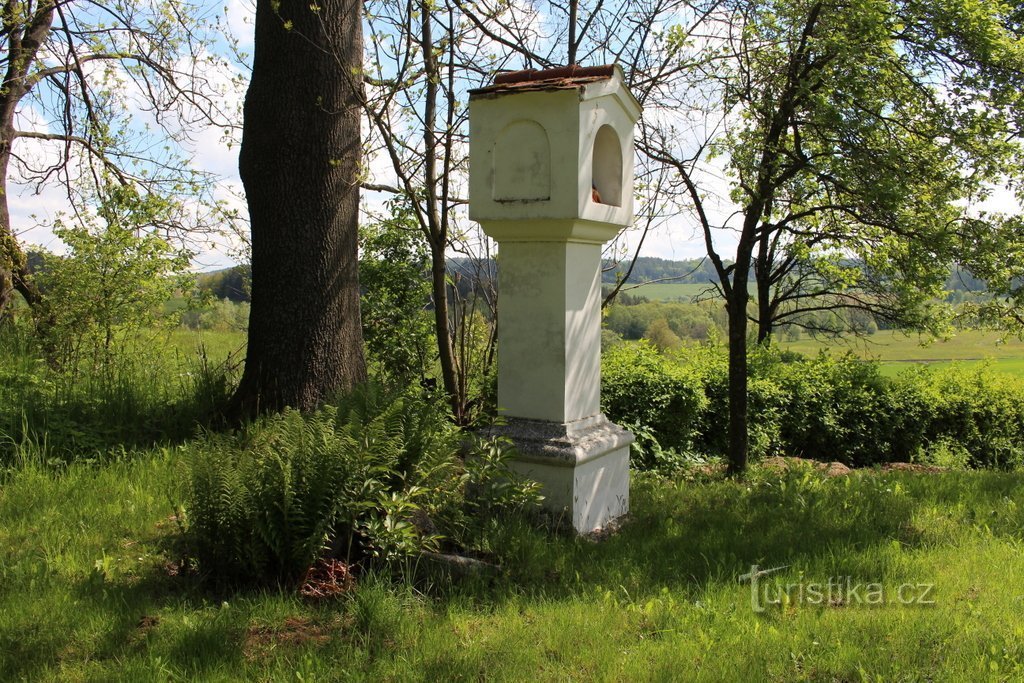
point(265, 503)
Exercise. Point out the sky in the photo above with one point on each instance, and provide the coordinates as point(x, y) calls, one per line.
point(33, 209)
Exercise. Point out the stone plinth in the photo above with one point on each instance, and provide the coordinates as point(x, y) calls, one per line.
point(582, 466)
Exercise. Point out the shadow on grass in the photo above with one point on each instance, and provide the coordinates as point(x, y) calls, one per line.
point(682, 536)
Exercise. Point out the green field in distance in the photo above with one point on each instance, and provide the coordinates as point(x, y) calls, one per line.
point(671, 291)
point(896, 350)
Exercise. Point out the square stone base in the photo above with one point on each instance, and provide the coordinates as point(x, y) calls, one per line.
point(582, 467)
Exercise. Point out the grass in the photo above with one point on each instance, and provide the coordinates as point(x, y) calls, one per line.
point(218, 345)
point(86, 594)
point(154, 393)
point(670, 291)
point(895, 350)
point(92, 588)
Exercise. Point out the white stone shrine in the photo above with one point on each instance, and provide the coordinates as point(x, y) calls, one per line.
point(551, 180)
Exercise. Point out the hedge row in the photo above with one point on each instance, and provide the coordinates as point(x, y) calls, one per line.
point(831, 408)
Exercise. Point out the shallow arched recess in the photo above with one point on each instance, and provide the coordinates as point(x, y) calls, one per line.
point(607, 171)
point(522, 163)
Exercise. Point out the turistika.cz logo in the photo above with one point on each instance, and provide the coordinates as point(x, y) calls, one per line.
point(838, 591)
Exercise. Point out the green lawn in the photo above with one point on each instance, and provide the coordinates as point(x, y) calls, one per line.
point(218, 345)
point(670, 291)
point(896, 350)
point(86, 591)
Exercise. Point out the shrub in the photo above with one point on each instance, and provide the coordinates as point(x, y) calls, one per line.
point(375, 478)
point(642, 388)
point(836, 409)
point(394, 270)
point(826, 408)
point(113, 282)
point(765, 400)
point(976, 408)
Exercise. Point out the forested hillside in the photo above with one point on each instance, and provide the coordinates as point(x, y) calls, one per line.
point(232, 283)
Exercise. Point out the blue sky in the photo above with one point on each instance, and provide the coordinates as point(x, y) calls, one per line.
point(34, 208)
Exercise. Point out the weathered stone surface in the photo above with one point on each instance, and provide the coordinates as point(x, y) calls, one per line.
point(551, 173)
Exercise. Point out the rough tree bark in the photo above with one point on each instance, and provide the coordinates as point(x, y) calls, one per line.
point(300, 165)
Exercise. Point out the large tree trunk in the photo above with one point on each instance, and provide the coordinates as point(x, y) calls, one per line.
point(300, 165)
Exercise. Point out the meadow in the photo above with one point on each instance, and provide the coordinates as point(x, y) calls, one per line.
point(895, 350)
point(218, 345)
point(892, 349)
point(890, 573)
point(671, 291)
point(92, 590)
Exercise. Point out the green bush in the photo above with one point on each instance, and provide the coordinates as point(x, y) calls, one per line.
point(394, 276)
point(836, 409)
point(641, 388)
point(826, 408)
point(765, 400)
point(976, 408)
point(113, 282)
point(375, 478)
point(843, 409)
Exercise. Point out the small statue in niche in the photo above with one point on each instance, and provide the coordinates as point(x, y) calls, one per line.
point(595, 195)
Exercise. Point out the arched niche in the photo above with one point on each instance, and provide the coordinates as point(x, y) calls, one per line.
point(522, 163)
point(607, 170)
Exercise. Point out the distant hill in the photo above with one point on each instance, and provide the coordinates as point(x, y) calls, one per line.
point(647, 269)
point(228, 283)
point(653, 269)
point(233, 283)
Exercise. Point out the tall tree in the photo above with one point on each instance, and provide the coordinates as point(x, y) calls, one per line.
point(300, 163)
point(95, 91)
point(853, 132)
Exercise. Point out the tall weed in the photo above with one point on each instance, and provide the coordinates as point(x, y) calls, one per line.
point(138, 397)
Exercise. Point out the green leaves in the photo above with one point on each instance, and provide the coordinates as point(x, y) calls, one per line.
point(377, 478)
point(397, 325)
point(824, 408)
point(867, 129)
point(114, 280)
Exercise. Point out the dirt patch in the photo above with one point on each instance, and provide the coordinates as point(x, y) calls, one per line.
point(148, 623)
point(710, 469)
point(829, 469)
point(834, 469)
point(142, 629)
point(912, 467)
point(838, 469)
point(262, 639)
point(326, 580)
